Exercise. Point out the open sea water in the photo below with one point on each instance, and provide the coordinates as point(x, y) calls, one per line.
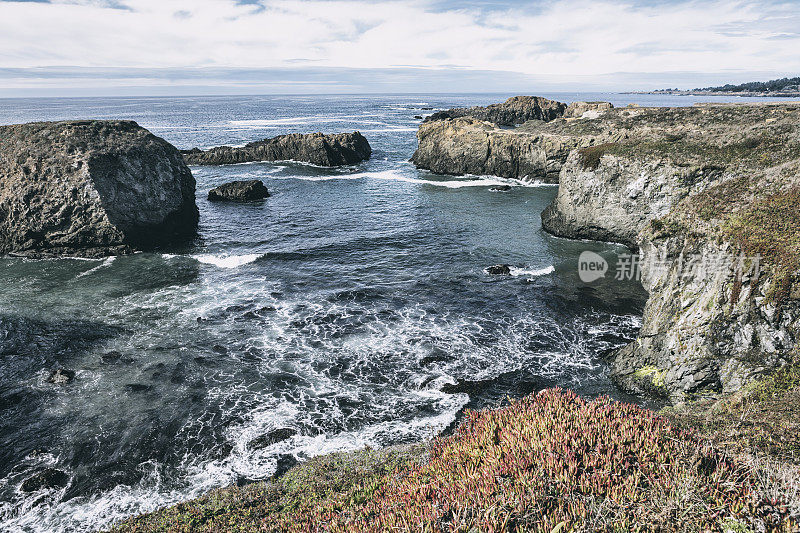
point(349, 309)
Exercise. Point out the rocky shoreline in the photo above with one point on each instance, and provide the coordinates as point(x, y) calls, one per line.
point(717, 183)
point(315, 148)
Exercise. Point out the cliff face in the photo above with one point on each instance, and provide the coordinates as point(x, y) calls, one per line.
point(709, 195)
point(91, 188)
point(315, 148)
point(613, 201)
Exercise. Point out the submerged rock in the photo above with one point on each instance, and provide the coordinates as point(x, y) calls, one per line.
point(273, 437)
point(91, 188)
point(49, 478)
point(316, 148)
point(500, 188)
point(499, 270)
point(239, 191)
point(61, 376)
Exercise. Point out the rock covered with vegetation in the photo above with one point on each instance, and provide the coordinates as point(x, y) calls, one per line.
point(91, 188)
point(316, 148)
point(550, 462)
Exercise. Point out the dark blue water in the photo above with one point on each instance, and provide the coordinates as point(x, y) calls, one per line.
point(350, 307)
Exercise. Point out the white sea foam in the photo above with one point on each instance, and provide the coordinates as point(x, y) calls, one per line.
point(220, 260)
point(106, 262)
point(397, 175)
point(308, 119)
point(532, 272)
point(225, 260)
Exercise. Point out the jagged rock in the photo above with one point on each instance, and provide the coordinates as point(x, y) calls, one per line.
point(49, 478)
point(515, 110)
point(61, 376)
point(315, 148)
point(91, 188)
point(239, 191)
point(499, 270)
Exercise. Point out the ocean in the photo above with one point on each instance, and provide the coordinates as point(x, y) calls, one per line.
point(349, 309)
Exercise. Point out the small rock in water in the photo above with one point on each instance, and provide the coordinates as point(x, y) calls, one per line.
point(49, 478)
point(239, 191)
point(418, 117)
point(501, 188)
point(110, 357)
point(61, 376)
point(273, 437)
point(499, 270)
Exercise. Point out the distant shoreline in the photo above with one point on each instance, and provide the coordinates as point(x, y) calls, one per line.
point(747, 94)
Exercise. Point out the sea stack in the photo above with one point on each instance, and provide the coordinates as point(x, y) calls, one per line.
point(91, 188)
point(315, 148)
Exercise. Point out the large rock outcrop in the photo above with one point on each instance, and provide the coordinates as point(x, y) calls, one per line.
point(470, 146)
point(516, 110)
point(476, 140)
point(91, 188)
point(710, 196)
point(315, 148)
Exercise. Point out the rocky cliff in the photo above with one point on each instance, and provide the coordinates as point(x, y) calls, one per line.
point(476, 141)
point(91, 188)
point(315, 148)
point(709, 196)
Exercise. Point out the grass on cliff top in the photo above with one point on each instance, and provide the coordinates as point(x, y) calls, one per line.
point(764, 417)
point(552, 462)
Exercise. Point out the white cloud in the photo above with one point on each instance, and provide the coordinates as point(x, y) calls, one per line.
point(564, 39)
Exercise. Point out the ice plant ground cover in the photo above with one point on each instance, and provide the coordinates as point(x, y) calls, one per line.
point(552, 461)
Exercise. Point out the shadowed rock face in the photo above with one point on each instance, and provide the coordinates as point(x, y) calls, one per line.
point(515, 110)
point(239, 191)
point(91, 188)
point(315, 148)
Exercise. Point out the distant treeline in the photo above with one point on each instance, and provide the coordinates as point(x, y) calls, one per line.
point(783, 84)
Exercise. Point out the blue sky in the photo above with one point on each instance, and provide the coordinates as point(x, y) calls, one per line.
point(140, 47)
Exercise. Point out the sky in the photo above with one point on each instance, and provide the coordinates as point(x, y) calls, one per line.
point(158, 47)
